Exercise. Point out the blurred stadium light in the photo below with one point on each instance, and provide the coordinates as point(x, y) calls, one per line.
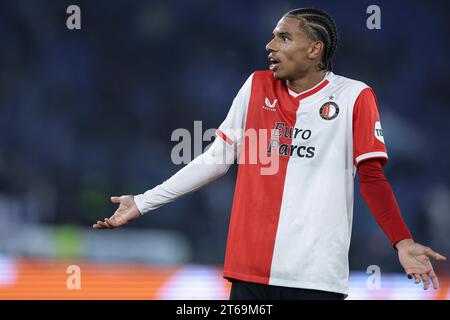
point(70, 242)
point(46, 279)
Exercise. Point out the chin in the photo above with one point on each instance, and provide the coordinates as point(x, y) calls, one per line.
point(278, 75)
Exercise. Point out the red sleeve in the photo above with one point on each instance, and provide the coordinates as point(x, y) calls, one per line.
point(378, 194)
point(368, 141)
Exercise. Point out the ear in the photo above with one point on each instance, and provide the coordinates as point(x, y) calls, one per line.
point(316, 49)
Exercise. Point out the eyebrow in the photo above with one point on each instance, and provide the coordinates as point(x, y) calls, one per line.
point(284, 33)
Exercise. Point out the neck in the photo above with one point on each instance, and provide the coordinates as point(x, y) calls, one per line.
point(307, 81)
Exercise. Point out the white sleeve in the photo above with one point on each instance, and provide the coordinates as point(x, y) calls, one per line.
point(232, 128)
point(204, 169)
point(210, 165)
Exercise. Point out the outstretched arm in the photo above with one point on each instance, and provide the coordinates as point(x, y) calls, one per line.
point(204, 169)
point(207, 167)
point(377, 192)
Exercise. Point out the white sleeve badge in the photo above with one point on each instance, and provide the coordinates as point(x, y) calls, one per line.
point(379, 131)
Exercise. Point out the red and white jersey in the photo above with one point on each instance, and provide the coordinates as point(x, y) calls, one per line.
point(293, 228)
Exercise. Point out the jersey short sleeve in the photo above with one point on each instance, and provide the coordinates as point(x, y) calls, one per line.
point(368, 140)
point(232, 128)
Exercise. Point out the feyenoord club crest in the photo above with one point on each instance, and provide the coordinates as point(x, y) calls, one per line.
point(329, 110)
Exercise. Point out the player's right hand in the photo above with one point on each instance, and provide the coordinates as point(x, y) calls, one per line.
point(126, 212)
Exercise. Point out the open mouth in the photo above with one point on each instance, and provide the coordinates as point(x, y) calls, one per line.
point(274, 62)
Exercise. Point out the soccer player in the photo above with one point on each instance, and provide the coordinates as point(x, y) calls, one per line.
point(290, 229)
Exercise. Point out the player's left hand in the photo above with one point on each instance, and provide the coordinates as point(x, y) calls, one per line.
point(414, 258)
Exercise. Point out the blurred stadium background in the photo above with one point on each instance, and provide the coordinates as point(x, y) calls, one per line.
point(88, 114)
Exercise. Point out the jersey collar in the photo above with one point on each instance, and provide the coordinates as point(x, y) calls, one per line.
point(311, 91)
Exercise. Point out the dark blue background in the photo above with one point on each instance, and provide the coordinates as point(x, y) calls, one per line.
point(88, 114)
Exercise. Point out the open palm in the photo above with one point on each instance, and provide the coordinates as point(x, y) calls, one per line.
point(414, 258)
point(126, 212)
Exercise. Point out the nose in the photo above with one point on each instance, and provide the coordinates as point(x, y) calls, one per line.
point(270, 46)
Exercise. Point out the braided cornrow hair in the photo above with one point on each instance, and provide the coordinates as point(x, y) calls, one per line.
point(319, 26)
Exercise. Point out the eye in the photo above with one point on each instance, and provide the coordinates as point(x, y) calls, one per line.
point(284, 37)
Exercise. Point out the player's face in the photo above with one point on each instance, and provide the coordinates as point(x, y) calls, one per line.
point(292, 53)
